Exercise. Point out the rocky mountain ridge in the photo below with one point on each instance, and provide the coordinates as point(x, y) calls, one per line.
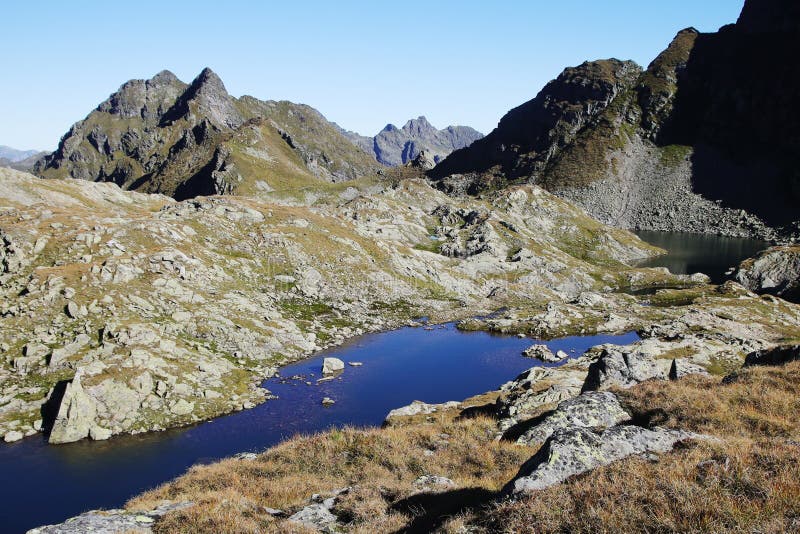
point(165, 136)
point(699, 141)
point(395, 146)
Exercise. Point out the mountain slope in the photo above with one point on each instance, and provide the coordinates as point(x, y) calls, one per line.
point(702, 140)
point(397, 146)
point(164, 136)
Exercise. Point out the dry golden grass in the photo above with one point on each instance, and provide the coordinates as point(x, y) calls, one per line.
point(381, 465)
point(746, 480)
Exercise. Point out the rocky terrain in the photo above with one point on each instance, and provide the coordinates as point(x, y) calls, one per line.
point(698, 141)
point(397, 146)
point(164, 136)
point(697, 421)
point(124, 312)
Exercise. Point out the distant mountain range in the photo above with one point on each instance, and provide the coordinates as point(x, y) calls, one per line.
point(165, 136)
point(19, 159)
point(13, 155)
point(397, 146)
point(704, 139)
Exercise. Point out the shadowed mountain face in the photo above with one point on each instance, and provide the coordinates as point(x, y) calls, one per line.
point(397, 146)
point(162, 135)
point(707, 130)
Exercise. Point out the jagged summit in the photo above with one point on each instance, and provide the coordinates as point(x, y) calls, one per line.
point(163, 135)
point(207, 97)
point(395, 146)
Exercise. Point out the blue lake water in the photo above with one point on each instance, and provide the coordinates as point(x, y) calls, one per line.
point(45, 484)
point(689, 253)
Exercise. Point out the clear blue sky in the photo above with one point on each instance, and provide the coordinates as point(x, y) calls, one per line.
point(361, 63)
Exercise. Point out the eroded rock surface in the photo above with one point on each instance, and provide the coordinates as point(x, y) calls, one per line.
point(577, 449)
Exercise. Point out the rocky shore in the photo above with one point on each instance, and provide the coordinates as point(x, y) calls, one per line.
point(124, 313)
point(549, 428)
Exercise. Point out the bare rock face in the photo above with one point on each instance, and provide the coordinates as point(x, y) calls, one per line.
point(590, 410)
point(112, 521)
point(575, 450)
point(775, 271)
point(76, 414)
point(395, 146)
point(621, 367)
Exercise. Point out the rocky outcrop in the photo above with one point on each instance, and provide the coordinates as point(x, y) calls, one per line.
point(575, 450)
point(775, 271)
point(164, 136)
point(621, 367)
point(699, 141)
point(395, 146)
point(318, 515)
point(76, 414)
point(113, 521)
point(597, 410)
point(418, 408)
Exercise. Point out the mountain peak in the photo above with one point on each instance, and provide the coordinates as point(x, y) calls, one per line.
point(419, 127)
point(165, 77)
point(209, 81)
point(207, 97)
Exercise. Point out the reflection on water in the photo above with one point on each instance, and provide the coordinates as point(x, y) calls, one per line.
point(699, 253)
point(46, 484)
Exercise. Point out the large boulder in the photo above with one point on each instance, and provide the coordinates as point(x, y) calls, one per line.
point(775, 271)
point(621, 367)
point(540, 386)
point(332, 366)
point(76, 414)
point(575, 450)
point(590, 410)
